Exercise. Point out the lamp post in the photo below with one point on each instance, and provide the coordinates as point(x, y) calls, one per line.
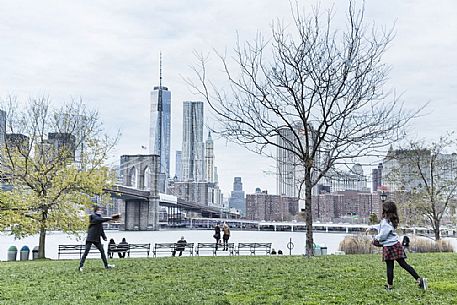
point(383, 196)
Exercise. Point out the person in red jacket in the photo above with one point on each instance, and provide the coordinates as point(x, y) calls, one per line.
point(94, 233)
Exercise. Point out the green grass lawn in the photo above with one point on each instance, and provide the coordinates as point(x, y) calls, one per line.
point(356, 279)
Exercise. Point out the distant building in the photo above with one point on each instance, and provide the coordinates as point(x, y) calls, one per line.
point(237, 199)
point(262, 206)
point(160, 129)
point(63, 142)
point(376, 175)
point(345, 206)
point(192, 159)
point(17, 141)
point(178, 166)
point(2, 127)
point(286, 181)
point(190, 191)
point(352, 180)
point(209, 159)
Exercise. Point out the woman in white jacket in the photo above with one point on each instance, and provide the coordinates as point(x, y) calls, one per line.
point(392, 250)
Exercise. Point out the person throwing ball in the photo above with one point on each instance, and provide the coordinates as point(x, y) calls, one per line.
point(392, 249)
point(94, 232)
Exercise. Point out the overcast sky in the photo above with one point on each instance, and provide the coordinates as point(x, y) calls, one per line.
point(107, 53)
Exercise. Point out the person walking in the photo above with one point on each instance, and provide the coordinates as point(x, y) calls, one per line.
point(392, 249)
point(94, 232)
point(226, 235)
point(180, 246)
point(217, 235)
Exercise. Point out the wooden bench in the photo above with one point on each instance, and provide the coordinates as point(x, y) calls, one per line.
point(119, 248)
point(212, 247)
point(253, 247)
point(170, 247)
point(75, 250)
point(135, 248)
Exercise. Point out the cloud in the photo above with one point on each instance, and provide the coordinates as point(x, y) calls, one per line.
point(107, 52)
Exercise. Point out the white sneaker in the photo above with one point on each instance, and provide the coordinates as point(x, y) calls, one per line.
point(80, 269)
point(110, 267)
point(423, 283)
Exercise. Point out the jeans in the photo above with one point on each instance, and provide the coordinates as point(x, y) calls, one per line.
point(99, 247)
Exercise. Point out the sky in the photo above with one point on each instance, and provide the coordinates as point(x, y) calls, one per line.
point(107, 53)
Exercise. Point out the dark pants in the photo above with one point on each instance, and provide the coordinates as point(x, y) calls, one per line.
point(121, 254)
point(99, 246)
point(404, 265)
point(225, 238)
point(174, 252)
point(218, 240)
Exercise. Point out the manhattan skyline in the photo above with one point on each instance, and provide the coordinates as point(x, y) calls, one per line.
point(108, 54)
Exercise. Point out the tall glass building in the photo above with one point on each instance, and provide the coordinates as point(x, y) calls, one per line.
point(192, 158)
point(159, 132)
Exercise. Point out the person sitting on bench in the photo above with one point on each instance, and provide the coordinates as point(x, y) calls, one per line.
point(180, 246)
point(123, 244)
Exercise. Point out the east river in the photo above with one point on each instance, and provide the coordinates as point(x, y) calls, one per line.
point(279, 240)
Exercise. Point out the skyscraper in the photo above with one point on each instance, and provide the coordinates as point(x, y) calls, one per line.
point(286, 181)
point(2, 127)
point(209, 159)
point(192, 158)
point(159, 131)
point(237, 200)
point(178, 166)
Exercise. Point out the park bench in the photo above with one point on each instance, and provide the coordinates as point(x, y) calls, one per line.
point(253, 247)
point(75, 250)
point(137, 248)
point(212, 247)
point(119, 248)
point(170, 247)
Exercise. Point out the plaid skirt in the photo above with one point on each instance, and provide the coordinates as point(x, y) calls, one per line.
point(391, 253)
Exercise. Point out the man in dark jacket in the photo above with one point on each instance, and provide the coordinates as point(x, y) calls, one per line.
point(180, 246)
point(94, 232)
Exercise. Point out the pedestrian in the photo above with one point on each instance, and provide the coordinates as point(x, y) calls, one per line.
point(111, 243)
point(94, 232)
point(123, 245)
point(180, 246)
point(217, 235)
point(226, 235)
point(392, 249)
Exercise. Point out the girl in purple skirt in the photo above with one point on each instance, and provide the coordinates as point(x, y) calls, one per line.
point(392, 250)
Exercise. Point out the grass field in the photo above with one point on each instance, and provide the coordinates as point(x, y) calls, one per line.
point(355, 279)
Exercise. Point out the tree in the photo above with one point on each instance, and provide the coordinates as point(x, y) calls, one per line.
point(314, 92)
point(429, 175)
point(53, 164)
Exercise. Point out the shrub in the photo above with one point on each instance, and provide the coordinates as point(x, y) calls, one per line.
point(357, 244)
point(421, 245)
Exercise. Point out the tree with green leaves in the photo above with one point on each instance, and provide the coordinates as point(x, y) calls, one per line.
point(310, 90)
point(52, 167)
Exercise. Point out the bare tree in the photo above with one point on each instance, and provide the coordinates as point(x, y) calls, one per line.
point(321, 87)
point(53, 161)
point(428, 174)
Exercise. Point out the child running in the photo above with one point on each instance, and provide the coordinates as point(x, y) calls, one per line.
point(392, 250)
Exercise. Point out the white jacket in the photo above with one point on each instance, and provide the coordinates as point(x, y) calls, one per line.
point(386, 233)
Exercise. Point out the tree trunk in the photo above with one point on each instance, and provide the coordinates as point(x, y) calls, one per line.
point(42, 242)
point(308, 216)
point(437, 229)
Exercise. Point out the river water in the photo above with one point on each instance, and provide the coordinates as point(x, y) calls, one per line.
point(279, 240)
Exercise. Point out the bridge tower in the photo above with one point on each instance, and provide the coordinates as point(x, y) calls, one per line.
point(141, 174)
